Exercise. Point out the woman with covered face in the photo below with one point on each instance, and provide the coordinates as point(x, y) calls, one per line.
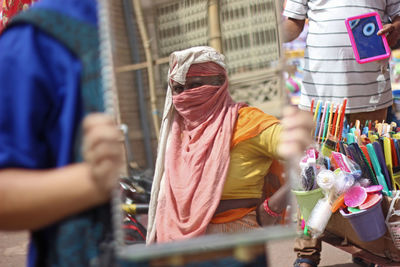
point(214, 154)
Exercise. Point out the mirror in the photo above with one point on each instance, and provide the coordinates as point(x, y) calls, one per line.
point(137, 39)
point(367, 45)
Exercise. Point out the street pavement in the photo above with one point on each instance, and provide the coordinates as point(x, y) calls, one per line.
point(13, 247)
point(280, 253)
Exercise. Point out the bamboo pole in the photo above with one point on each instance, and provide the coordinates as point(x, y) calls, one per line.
point(146, 43)
point(282, 61)
point(142, 65)
point(214, 27)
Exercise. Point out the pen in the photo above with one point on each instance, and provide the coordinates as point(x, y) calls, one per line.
point(328, 117)
point(316, 109)
point(328, 129)
point(337, 121)
point(312, 105)
point(334, 120)
point(322, 122)
point(318, 113)
point(342, 118)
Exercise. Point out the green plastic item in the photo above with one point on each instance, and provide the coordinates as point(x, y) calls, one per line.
point(305, 232)
point(350, 138)
point(353, 210)
point(377, 168)
point(306, 200)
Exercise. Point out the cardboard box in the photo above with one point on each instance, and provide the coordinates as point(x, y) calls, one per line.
point(383, 247)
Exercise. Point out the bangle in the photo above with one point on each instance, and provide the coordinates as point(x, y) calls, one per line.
point(269, 211)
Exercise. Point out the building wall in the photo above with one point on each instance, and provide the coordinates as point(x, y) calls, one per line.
point(127, 87)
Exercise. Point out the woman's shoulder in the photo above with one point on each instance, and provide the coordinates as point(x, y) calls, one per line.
point(250, 123)
point(250, 114)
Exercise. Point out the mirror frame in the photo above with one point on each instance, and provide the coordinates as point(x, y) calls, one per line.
point(185, 248)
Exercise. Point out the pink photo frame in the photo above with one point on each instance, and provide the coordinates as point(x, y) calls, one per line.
point(367, 48)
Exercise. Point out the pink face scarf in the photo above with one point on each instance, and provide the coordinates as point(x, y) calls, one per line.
point(197, 157)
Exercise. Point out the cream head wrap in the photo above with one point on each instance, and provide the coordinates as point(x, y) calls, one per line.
point(217, 139)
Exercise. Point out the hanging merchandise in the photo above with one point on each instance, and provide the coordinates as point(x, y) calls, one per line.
point(369, 224)
point(351, 169)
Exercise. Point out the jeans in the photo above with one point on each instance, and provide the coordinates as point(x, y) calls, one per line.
point(306, 246)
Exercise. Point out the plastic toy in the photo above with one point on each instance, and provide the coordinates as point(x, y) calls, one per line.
point(355, 196)
point(367, 45)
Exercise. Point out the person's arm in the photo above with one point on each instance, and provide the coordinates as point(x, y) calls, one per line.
point(31, 199)
point(296, 133)
point(392, 31)
point(294, 139)
point(276, 203)
point(291, 29)
point(33, 193)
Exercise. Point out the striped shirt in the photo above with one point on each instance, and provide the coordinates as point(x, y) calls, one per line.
point(331, 72)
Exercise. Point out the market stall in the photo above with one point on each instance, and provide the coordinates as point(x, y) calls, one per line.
point(349, 188)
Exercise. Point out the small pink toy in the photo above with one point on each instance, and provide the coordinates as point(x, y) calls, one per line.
point(367, 45)
point(371, 200)
point(303, 224)
point(355, 196)
point(374, 188)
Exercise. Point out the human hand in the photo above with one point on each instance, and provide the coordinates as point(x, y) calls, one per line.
point(296, 133)
point(102, 150)
point(392, 32)
point(277, 203)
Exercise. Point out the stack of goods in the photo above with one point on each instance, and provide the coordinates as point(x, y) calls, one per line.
point(347, 171)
